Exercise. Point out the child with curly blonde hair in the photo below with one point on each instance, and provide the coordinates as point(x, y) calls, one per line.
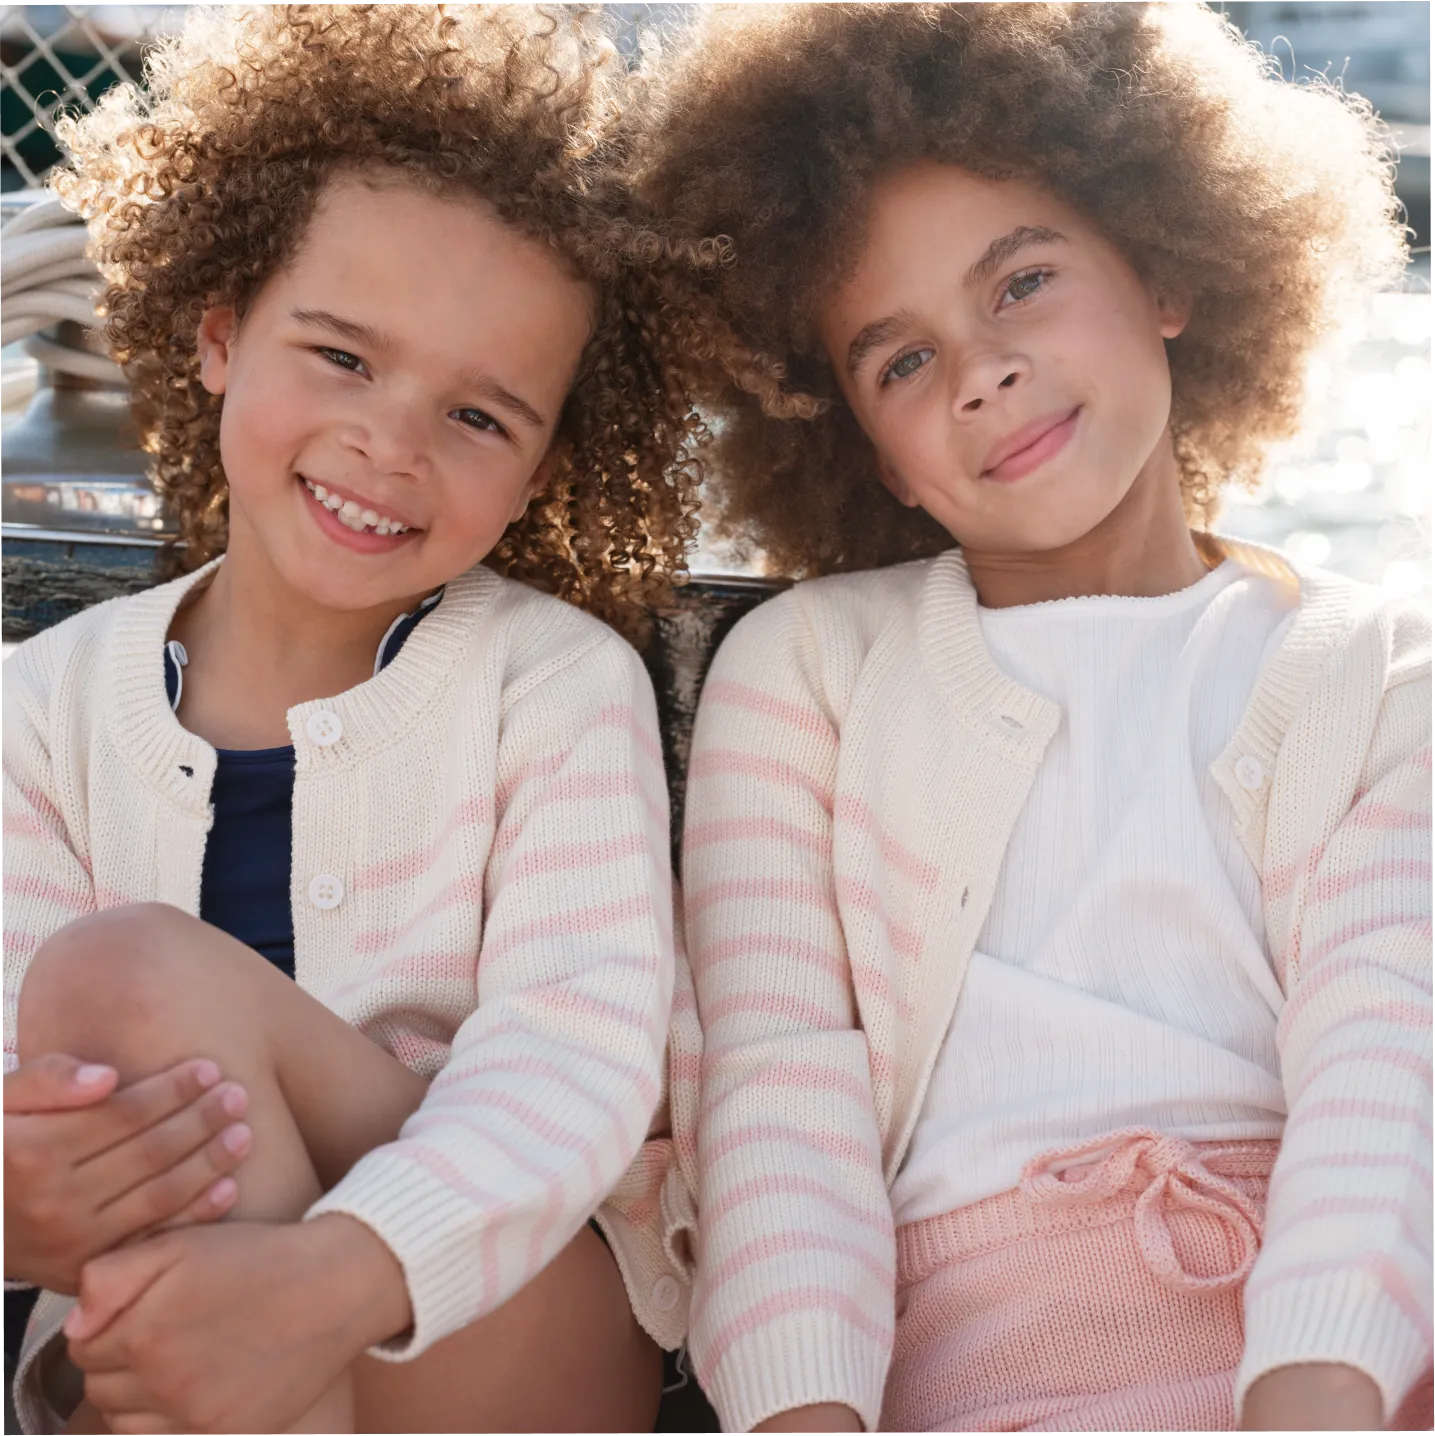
point(1056, 871)
point(340, 863)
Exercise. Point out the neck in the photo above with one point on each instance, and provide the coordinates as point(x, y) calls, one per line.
point(1142, 549)
point(257, 648)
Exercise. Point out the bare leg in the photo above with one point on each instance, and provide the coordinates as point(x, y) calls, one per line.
point(144, 987)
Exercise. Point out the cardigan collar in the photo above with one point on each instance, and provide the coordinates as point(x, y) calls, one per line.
point(180, 765)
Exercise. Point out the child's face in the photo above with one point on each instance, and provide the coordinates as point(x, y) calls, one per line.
point(408, 364)
point(1006, 361)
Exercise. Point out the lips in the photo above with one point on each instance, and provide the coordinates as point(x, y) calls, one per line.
point(1030, 446)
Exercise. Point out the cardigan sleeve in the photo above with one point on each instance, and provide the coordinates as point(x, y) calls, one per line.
point(551, 1082)
point(47, 884)
point(793, 1300)
point(1345, 1271)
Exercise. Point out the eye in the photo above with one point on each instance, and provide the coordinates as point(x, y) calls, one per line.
point(478, 419)
point(904, 366)
point(1024, 286)
point(342, 359)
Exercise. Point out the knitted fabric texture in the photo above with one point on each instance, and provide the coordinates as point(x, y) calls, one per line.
point(858, 765)
point(493, 808)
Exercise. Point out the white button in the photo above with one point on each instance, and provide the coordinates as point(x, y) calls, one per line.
point(665, 1293)
point(323, 727)
point(326, 891)
point(1249, 773)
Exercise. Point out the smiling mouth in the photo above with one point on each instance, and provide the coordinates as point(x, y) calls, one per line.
point(1038, 443)
point(354, 515)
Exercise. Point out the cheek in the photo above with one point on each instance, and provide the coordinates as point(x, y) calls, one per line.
point(264, 421)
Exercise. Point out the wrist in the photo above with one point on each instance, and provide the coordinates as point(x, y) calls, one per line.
point(365, 1284)
point(1317, 1396)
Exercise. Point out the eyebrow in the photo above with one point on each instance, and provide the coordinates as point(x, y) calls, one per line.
point(874, 335)
point(484, 385)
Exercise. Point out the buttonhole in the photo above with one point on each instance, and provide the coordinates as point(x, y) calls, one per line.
point(186, 770)
point(966, 893)
point(1010, 721)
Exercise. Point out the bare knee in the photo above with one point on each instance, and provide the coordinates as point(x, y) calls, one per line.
point(99, 986)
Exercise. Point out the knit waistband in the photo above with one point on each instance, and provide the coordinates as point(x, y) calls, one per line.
point(1133, 1174)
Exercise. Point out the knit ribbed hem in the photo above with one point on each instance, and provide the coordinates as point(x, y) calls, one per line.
point(433, 1235)
point(805, 1359)
point(1347, 1318)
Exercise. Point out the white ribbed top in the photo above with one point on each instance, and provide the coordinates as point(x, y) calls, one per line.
point(1121, 977)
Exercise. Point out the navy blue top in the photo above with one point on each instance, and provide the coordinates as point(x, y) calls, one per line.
point(244, 885)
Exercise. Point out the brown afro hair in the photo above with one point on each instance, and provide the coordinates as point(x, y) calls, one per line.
point(1267, 204)
point(197, 189)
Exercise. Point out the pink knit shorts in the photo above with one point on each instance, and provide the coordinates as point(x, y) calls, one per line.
point(1102, 1294)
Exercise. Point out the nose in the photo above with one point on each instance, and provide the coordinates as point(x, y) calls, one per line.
point(393, 437)
point(983, 379)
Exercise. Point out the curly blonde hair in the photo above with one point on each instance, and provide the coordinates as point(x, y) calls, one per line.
point(1267, 204)
point(199, 187)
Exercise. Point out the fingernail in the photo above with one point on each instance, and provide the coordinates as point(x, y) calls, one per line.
point(235, 1101)
point(237, 1137)
point(93, 1074)
point(206, 1073)
point(75, 1321)
point(223, 1192)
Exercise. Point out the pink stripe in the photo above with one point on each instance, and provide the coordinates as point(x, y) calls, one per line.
point(799, 1300)
point(1361, 1108)
point(786, 1244)
point(770, 945)
point(755, 889)
point(755, 830)
point(572, 922)
point(22, 945)
point(411, 866)
point(77, 900)
point(1358, 966)
point(730, 762)
point(1396, 1057)
point(1383, 1268)
point(568, 857)
point(765, 705)
point(916, 870)
point(785, 1006)
point(1325, 1207)
point(858, 896)
point(621, 715)
point(1278, 882)
point(473, 1062)
point(464, 889)
point(22, 826)
point(1387, 817)
point(840, 1145)
point(1334, 885)
point(566, 999)
point(539, 770)
point(451, 966)
point(38, 800)
point(821, 1077)
point(1384, 923)
point(1401, 1161)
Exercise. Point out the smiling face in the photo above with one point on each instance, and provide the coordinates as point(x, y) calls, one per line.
point(1005, 360)
point(391, 394)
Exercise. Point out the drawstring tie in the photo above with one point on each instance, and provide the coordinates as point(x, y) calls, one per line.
point(1176, 1178)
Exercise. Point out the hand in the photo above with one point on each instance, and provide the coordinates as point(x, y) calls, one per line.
point(828, 1416)
point(88, 1167)
point(238, 1327)
point(1320, 1396)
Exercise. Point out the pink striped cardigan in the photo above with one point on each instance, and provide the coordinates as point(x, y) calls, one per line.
point(858, 764)
point(495, 810)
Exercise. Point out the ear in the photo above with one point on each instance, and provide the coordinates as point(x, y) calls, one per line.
point(215, 341)
point(1174, 313)
point(894, 483)
point(538, 481)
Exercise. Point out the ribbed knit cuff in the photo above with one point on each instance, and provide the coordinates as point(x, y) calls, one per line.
point(805, 1359)
point(1346, 1317)
point(430, 1231)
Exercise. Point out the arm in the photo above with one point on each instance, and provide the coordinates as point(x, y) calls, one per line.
point(793, 1301)
point(1344, 1276)
point(552, 1079)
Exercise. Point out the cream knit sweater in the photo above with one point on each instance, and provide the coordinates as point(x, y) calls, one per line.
point(858, 764)
point(491, 812)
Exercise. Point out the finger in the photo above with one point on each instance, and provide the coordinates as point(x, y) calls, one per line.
point(108, 1285)
point(198, 1189)
point(57, 1082)
point(145, 1422)
point(139, 1106)
point(162, 1147)
point(116, 1393)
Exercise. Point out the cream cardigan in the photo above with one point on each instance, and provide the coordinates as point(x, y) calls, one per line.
point(858, 764)
point(490, 813)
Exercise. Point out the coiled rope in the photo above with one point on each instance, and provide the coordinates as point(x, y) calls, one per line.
point(45, 277)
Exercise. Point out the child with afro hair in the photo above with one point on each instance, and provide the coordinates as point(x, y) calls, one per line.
point(1056, 871)
point(340, 863)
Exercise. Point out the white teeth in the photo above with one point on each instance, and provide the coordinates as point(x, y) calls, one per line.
point(352, 516)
